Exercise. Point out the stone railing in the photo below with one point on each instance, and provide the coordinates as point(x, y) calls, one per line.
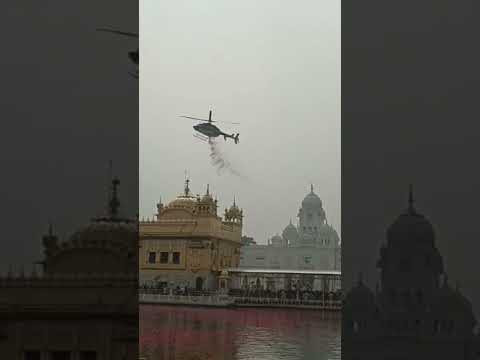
point(335, 305)
point(201, 300)
point(154, 296)
point(80, 279)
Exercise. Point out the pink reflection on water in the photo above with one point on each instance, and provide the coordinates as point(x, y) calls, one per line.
point(171, 332)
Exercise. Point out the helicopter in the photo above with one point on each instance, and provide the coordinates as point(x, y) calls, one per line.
point(209, 131)
point(132, 55)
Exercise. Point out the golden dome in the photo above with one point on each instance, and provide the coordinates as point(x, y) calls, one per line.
point(184, 201)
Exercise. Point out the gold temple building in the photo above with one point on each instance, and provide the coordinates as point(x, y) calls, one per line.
point(188, 244)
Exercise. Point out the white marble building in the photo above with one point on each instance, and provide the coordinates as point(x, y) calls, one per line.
point(311, 245)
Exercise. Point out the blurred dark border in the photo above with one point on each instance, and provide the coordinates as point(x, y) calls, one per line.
point(410, 115)
point(69, 127)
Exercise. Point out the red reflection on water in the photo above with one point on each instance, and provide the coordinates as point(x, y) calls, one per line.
point(171, 332)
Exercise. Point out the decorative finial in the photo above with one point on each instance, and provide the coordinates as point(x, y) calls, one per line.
point(187, 187)
point(208, 189)
point(234, 203)
point(50, 229)
point(311, 188)
point(360, 278)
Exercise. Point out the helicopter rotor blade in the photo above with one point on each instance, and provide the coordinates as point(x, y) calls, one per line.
point(125, 33)
point(193, 118)
point(213, 121)
point(226, 122)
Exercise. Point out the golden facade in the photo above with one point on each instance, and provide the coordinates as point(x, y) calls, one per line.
point(188, 244)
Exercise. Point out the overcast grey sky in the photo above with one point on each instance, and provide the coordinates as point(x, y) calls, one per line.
point(274, 66)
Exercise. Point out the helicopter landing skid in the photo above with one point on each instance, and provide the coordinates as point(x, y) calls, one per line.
point(201, 137)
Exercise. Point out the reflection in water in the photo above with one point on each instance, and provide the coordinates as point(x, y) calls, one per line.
point(194, 333)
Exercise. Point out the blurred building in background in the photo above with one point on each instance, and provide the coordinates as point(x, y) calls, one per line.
point(414, 312)
point(311, 245)
point(84, 304)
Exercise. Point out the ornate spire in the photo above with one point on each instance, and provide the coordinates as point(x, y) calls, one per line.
point(187, 187)
point(208, 190)
point(411, 209)
point(234, 203)
point(114, 203)
point(311, 188)
point(360, 278)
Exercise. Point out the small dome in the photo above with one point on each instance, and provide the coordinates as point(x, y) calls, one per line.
point(112, 231)
point(184, 200)
point(235, 210)
point(277, 240)
point(290, 232)
point(102, 246)
point(312, 200)
point(360, 299)
point(453, 302)
point(411, 227)
point(328, 232)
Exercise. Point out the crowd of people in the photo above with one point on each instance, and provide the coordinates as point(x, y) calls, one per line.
point(307, 295)
point(164, 289)
point(252, 295)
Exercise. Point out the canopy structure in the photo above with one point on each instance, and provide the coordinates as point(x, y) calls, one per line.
point(284, 279)
point(283, 271)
